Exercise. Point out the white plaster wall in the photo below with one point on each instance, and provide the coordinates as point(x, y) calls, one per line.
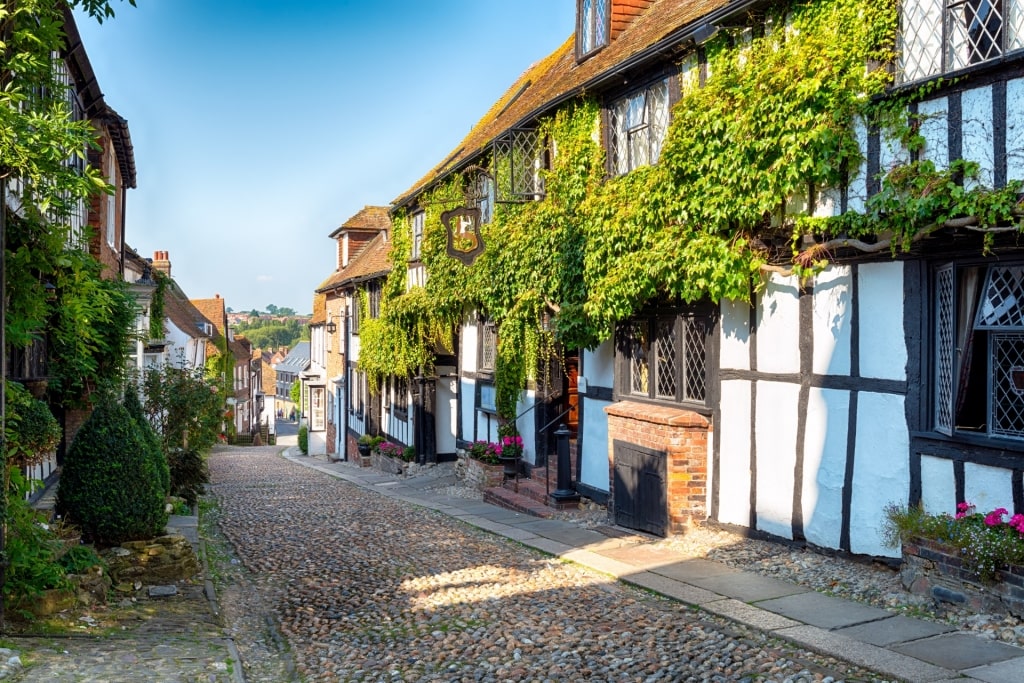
point(938, 486)
point(734, 345)
point(594, 465)
point(825, 445)
point(775, 435)
point(978, 137)
point(468, 357)
point(353, 347)
point(883, 349)
point(734, 454)
point(527, 424)
point(447, 410)
point(830, 321)
point(467, 414)
point(598, 366)
point(857, 192)
point(891, 153)
point(1015, 129)
point(317, 443)
point(881, 471)
point(778, 326)
point(935, 131)
point(988, 487)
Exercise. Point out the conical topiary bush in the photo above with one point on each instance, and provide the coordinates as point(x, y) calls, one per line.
point(109, 486)
point(154, 449)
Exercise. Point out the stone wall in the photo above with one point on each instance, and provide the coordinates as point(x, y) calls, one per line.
point(477, 474)
point(936, 571)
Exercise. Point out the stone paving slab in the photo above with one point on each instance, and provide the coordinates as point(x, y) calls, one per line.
point(600, 563)
point(749, 614)
point(747, 587)
point(823, 611)
point(641, 555)
point(579, 538)
point(895, 629)
point(879, 659)
point(548, 546)
point(687, 570)
point(1009, 671)
point(690, 595)
point(959, 651)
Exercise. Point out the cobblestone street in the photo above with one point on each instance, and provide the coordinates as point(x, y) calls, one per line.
point(369, 588)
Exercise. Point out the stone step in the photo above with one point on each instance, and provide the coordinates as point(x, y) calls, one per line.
point(510, 500)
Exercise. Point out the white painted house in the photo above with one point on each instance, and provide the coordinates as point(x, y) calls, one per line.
point(803, 413)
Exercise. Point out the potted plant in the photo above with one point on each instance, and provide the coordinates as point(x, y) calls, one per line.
point(510, 449)
point(365, 445)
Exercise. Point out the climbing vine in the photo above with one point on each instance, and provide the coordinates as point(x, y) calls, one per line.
point(750, 153)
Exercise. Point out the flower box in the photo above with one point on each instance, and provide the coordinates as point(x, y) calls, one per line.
point(936, 570)
point(480, 475)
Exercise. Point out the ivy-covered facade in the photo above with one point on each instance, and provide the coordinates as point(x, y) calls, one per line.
point(761, 257)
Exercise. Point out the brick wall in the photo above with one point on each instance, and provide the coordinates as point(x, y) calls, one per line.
point(683, 436)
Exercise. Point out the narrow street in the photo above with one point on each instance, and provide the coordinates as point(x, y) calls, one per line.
point(368, 588)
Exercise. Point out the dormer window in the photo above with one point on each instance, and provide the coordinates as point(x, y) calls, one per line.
point(593, 26)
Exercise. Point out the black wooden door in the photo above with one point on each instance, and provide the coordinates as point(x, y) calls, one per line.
point(640, 488)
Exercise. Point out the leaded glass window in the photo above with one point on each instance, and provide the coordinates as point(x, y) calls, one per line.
point(663, 357)
point(593, 25)
point(639, 122)
point(519, 158)
point(417, 236)
point(979, 350)
point(937, 36)
point(488, 347)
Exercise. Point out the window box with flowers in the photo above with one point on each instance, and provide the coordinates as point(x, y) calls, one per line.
point(390, 457)
point(480, 467)
point(971, 559)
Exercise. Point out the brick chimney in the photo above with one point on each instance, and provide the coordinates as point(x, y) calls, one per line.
point(162, 262)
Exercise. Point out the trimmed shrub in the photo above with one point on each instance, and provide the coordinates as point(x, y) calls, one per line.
point(304, 440)
point(189, 472)
point(108, 486)
point(153, 448)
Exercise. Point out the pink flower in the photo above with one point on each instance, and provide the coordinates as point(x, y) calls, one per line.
point(964, 506)
point(1017, 522)
point(995, 518)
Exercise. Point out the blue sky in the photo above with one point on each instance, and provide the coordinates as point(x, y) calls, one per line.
point(260, 126)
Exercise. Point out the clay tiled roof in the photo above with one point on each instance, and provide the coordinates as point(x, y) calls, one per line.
point(558, 78)
point(372, 260)
point(319, 309)
point(368, 218)
point(213, 310)
point(182, 313)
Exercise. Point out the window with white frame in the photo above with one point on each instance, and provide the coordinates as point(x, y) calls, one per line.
point(593, 26)
point(638, 125)
point(979, 350)
point(662, 356)
point(416, 253)
point(938, 36)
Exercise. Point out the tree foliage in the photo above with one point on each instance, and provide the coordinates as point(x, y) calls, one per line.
point(183, 406)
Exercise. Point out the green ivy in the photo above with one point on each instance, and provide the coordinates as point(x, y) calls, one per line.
point(776, 121)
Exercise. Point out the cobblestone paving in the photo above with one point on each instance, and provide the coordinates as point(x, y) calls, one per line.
point(175, 639)
point(366, 588)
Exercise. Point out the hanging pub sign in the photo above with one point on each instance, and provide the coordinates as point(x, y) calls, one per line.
point(462, 225)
